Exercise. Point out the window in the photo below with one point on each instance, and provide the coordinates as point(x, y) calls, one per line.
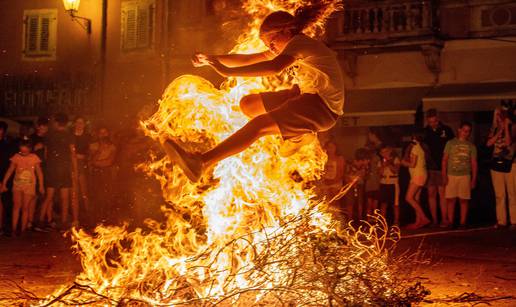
point(39, 34)
point(137, 25)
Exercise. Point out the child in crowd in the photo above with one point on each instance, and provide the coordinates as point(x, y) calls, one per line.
point(372, 184)
point(26, 168)
point(459, 171)
point(357, 170)
point(297, 114)
point(389, 186)
point(415, 161)
point(333, 176)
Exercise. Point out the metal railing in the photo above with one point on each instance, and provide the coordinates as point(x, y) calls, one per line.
point(384, 19)
point(33, 96)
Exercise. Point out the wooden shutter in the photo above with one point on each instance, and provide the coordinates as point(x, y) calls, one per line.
point(31, 37)
point(40, 34)
point(130, 28)
point(44, 39)
point(142, 34)
point(137, 24)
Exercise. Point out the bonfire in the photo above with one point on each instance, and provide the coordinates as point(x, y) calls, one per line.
point(253, 231)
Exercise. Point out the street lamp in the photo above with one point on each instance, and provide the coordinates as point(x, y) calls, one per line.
point(72, 7)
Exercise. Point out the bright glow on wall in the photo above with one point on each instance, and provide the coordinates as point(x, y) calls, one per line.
point(71, 5)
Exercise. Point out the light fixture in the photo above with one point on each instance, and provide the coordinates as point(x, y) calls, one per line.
point(72, 7)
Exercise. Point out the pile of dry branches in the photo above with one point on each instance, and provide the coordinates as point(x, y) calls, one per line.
point(352, 266)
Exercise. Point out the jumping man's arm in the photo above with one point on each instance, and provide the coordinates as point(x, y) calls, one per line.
point(236, 60)
point(259, 69)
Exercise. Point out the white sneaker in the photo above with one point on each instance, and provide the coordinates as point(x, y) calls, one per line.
point(291, 146)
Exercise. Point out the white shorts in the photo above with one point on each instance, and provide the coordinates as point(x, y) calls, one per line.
point(27, 189)
point(458, 187)
point(419, 180)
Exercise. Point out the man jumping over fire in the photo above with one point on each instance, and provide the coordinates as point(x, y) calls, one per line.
point(312, 105)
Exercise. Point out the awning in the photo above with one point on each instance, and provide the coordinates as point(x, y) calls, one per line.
point(469, 97)
point(374, 119)
point(381, 107)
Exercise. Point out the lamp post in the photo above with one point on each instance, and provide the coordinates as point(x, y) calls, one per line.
point(72, 7)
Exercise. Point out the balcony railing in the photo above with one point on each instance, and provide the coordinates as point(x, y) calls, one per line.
point(32, 96)
point(368, 20)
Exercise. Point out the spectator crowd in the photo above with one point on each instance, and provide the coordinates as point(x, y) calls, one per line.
point(89, 172)
point(439, 160)
point(60, 162)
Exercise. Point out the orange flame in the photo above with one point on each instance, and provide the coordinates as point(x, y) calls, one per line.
point(216, 228)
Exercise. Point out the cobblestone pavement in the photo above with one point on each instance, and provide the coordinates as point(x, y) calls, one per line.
point(479, 261)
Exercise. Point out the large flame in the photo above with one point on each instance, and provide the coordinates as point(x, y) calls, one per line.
point(246, 229)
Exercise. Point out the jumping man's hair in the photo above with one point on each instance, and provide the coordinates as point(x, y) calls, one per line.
point(303, 17)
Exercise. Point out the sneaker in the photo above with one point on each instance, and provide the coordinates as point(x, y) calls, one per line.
point(52, 226)
point(291, 146)
point(191, 164)
point(40, 229)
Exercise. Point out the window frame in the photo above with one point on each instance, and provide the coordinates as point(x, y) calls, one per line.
point(38, 54)
point(132, 44)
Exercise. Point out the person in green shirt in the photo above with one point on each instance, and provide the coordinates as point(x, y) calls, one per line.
point(459, 170)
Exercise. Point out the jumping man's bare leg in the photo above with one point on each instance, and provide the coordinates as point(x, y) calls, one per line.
point(194, 165)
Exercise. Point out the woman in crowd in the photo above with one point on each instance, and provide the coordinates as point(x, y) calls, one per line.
point(414, 160)
point(502, 170)
point(81, 140)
